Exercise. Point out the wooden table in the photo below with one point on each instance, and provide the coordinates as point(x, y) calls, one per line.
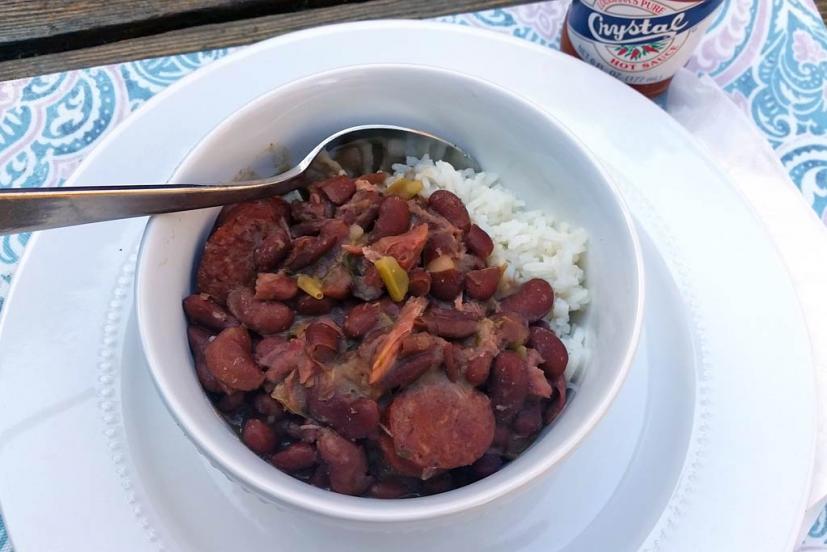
point(45, 36)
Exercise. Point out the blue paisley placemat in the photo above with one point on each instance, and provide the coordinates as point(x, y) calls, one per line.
point(770, 56)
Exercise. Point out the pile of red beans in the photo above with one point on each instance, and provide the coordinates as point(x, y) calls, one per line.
point(360, 341)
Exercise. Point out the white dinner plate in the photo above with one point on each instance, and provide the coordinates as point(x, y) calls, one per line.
point(709, 446)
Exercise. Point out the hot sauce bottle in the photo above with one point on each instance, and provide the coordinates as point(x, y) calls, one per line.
point(641, 42)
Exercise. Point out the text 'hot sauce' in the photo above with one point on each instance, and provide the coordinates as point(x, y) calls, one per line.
point(641, 42)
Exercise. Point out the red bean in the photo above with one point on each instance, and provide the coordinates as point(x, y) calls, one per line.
point(266, 405)
point(489, 463)
point(450, 206)
point(440, 424)
point(323, 337)
point(502, 436)
point(352, 417)
point(310, 306)
point(478, 368)
point(389, 488)
point(479, 242)
point(292, 428)
point(258, 436)
point(533, 300)
point(320, 478)
point(482, 284)
point(553, 351)
point(231, 402)
point(273, 248)
point(508, 386)
point(203, 311)
point(309, 228)
point(419, 283)
point(198, 339)
point(394, 217)
point(275, 287)
point(346, 462)
point(296, 457)
point(447, 284)
point(229, 358)
point(450, 323)
point(307, 250)
point(438, 484)
point(407, 370)
point(264, 317)
point(374, 178)
point(529, 420)
point(338, 189)
point(337, 283)
point(361, 319)
point(558, 401)
point(452, 358)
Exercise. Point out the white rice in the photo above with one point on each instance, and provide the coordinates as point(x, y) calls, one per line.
point(531, 243)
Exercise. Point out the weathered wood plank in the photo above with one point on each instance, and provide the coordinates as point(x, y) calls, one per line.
point(33, 19)
point(236, 33)
point(65, 25)
point(822, 8)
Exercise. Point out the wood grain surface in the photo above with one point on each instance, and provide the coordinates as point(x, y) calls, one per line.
point(98, 32)
point(45, 36)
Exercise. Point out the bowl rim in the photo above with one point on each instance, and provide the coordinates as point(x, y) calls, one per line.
point(334, 505)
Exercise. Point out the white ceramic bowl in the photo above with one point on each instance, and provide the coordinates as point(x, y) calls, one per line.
point(535, 156)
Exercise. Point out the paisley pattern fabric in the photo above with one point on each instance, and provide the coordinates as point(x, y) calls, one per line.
point(770, 56)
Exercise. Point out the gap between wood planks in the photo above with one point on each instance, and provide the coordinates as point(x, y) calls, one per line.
point(204, 35)
point(37, 27)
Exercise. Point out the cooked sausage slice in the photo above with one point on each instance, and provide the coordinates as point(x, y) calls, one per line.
point(231, 256)
point(441, 425)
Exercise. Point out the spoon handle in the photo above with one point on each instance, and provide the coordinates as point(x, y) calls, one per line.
point(28, 209)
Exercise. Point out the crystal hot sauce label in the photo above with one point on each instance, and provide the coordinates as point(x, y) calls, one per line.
point(638, 41)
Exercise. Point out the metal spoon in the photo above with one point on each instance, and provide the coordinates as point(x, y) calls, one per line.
point(361, 149)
